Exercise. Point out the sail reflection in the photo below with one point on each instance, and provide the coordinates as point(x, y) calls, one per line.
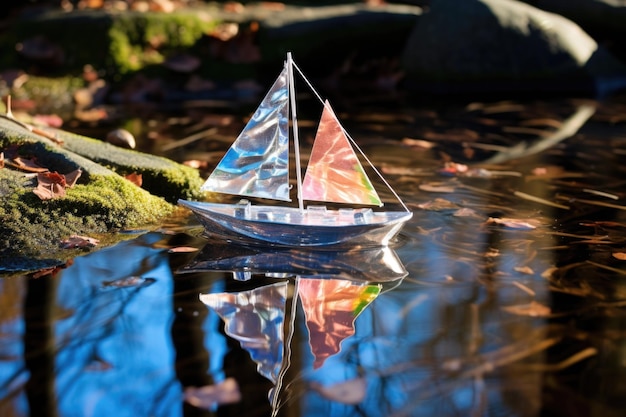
point(328, 291)
point(331, 307)
point(255, 318)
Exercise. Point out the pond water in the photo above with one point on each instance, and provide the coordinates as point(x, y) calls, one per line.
point(505, 294)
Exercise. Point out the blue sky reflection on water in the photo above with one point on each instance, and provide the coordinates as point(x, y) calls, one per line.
point(115, 352)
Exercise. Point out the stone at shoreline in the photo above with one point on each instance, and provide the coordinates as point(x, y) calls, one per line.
point(505, 45)
point(100, 203)
point(602, 19)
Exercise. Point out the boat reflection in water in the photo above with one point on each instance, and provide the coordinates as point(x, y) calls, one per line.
point(328, 291)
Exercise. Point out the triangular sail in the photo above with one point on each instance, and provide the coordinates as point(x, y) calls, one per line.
point(334, 173)
point(257, 163)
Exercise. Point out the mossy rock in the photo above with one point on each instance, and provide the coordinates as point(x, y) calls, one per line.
point(118, 42)
point(100, 203)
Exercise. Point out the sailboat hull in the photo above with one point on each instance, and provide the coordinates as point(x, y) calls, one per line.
point(288, 226)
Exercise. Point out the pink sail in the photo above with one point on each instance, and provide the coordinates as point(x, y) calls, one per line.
point(330, 307)
point(334, 173)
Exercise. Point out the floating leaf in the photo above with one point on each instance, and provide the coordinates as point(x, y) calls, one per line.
point(524, 270)
point(532, 309)
point(437, 188)
point(438, 204)
point(351, 391)
point(208, 396)
point(620, 255)
point(511, 223)
point(183, 249)
point(76, 241)
point(132, 281)
point(466, 212)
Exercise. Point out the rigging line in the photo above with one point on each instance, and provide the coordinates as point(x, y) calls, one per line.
point(357, 147)
point(294, 120)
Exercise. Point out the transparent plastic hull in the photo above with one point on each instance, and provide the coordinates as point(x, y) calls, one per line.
point(288, 226)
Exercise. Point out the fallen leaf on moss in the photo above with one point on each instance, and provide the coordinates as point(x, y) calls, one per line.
point(135, 178)
point(27, 165)
point(1, 159)
point(76, 242)
point(48, 191)
point(52, 184)
point(72, 177)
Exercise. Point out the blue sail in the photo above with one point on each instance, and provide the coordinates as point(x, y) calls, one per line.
point(257, 163)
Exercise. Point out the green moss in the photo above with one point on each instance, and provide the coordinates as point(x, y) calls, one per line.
point(101, 203)
point(161, 176)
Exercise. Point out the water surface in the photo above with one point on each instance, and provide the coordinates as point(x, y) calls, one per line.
point(503, 296)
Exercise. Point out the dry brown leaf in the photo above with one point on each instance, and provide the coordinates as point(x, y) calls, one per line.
point(76, 241)
point(438, 204)
point(132, 281)
point(512, 223)
point(182, 249)
point(135, 178)
point(27, 165)
point(208, 396)
point(52, 184)
point(532, 309)
point(524, 270)
point(351, 391)
point(437, 188)
point(466, 212)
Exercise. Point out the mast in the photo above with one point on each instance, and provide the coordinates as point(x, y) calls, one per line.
point(296, 142)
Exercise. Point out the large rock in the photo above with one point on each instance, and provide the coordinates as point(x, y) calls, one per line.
point(101, 202)
point(602, 19)
point(504, 45)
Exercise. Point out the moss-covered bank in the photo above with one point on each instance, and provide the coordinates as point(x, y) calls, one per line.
point(101, 202)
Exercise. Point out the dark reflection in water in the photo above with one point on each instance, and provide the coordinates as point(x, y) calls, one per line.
point(504, 296)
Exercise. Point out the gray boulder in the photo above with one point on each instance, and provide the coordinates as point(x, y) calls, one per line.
point(505, 45)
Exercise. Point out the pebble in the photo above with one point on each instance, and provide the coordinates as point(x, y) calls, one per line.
point(122, 138)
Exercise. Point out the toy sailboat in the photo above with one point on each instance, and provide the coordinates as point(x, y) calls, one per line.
point(257, 165)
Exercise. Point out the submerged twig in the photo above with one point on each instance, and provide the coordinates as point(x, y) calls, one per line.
point(539, 200)
point(568, 129)
point(553, 367)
